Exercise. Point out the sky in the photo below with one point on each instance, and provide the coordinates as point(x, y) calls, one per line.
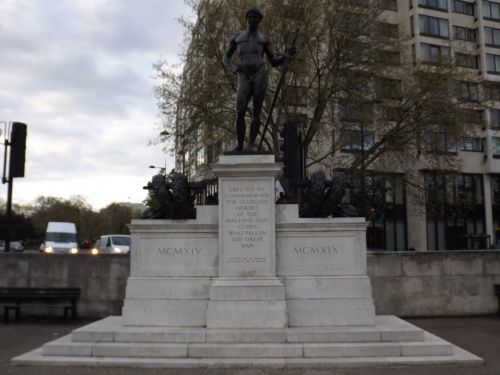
point(79, 74)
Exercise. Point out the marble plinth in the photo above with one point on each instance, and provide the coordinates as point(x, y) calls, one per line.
point(248, 284)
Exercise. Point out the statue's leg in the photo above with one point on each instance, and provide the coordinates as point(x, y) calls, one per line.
point(259, 93)
point(242, 97)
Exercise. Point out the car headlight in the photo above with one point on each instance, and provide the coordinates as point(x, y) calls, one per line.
point(117, 250)
point(48, 250)
point(94, 251)
point(74, 250)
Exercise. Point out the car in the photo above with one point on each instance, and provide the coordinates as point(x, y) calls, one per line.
point(113, 244)
point(14, 246)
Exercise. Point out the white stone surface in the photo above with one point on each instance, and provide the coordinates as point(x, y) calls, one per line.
point(426, 349)
point(245, 350)
point(101, 331)
point(187, 252)
point(432, 350)
point(327, 287)
point(393, 328)
point(139, 350)
point(330, 312)
point(246, 314)
point(346, 350)
point(167, 313)
point(333, 334)
point(247, 238)
point(64, 347)
point(167, 288)
point(247, 289)
point(246, 159)
point(160, 335)
point(246, 335)
point(319, 249)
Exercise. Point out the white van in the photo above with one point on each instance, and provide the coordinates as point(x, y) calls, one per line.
point(60, 238)
point(113, 244)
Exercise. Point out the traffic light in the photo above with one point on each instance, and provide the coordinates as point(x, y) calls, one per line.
point(17, 150)
point(292, 148)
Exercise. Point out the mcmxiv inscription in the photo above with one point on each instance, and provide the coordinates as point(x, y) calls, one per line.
point(179, 251)
point(315, 250)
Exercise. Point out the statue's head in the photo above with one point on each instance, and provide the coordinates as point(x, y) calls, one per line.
point(253, 16)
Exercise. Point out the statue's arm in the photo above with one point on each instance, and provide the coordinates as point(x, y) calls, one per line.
point(271, 54)
point(227, 56)
point(278, 60)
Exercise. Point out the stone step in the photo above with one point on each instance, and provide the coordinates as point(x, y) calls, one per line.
point(386, 329)
point(65, 347)
point(36, 358)
point(291, 335)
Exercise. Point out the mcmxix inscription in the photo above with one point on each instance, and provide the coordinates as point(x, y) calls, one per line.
point(315, 250)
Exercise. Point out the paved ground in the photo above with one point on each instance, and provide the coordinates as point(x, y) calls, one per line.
point(479, 335)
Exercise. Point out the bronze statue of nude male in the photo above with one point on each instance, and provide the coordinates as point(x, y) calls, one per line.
point(250, 46)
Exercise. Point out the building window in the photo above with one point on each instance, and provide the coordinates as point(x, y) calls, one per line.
point(435, 4)
point(390, 114)
point(388, 4)
point(454, 211)
point(464, 33)
point(389, 57)
point(434, 26)
point(355, 140)
point(200, 156)
point(386, 88)
point(472, 144)
point(491, 10)
point(495, 118)
point(492, 36)
point(469, 91)
point(493, 63)
point(434, 54)
point(388, 30)
point(492, 91)
point(495, 147)
point(381, 199)
point(440, 143)
point(463, 7)
point(467, 61)
point(472, 116)
point(350, 112)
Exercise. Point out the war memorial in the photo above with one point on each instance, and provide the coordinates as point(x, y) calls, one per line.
point(248, 283)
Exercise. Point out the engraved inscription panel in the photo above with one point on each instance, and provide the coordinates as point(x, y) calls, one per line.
point(177, 256)
point(315, 255)
point(247, 227)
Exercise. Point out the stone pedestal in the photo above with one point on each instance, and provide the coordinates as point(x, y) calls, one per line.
point(172, 265)
point(248, 284)
point(247, 293)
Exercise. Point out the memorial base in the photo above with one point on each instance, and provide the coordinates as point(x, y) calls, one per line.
point(389, 342)
point(248, 284)
point(247, 303)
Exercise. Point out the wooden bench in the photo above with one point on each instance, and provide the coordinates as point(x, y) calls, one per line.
point(13, 298)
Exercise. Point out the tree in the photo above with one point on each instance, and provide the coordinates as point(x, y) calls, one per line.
point(21, 227)
point(115, 217)
point(354, 89)
point(75, 210)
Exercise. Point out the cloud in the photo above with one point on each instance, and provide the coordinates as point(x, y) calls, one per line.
point(79, 74)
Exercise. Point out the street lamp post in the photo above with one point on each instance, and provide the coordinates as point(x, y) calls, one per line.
point(166, 133)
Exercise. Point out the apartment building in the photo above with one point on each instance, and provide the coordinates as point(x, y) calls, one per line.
point(467, 34)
